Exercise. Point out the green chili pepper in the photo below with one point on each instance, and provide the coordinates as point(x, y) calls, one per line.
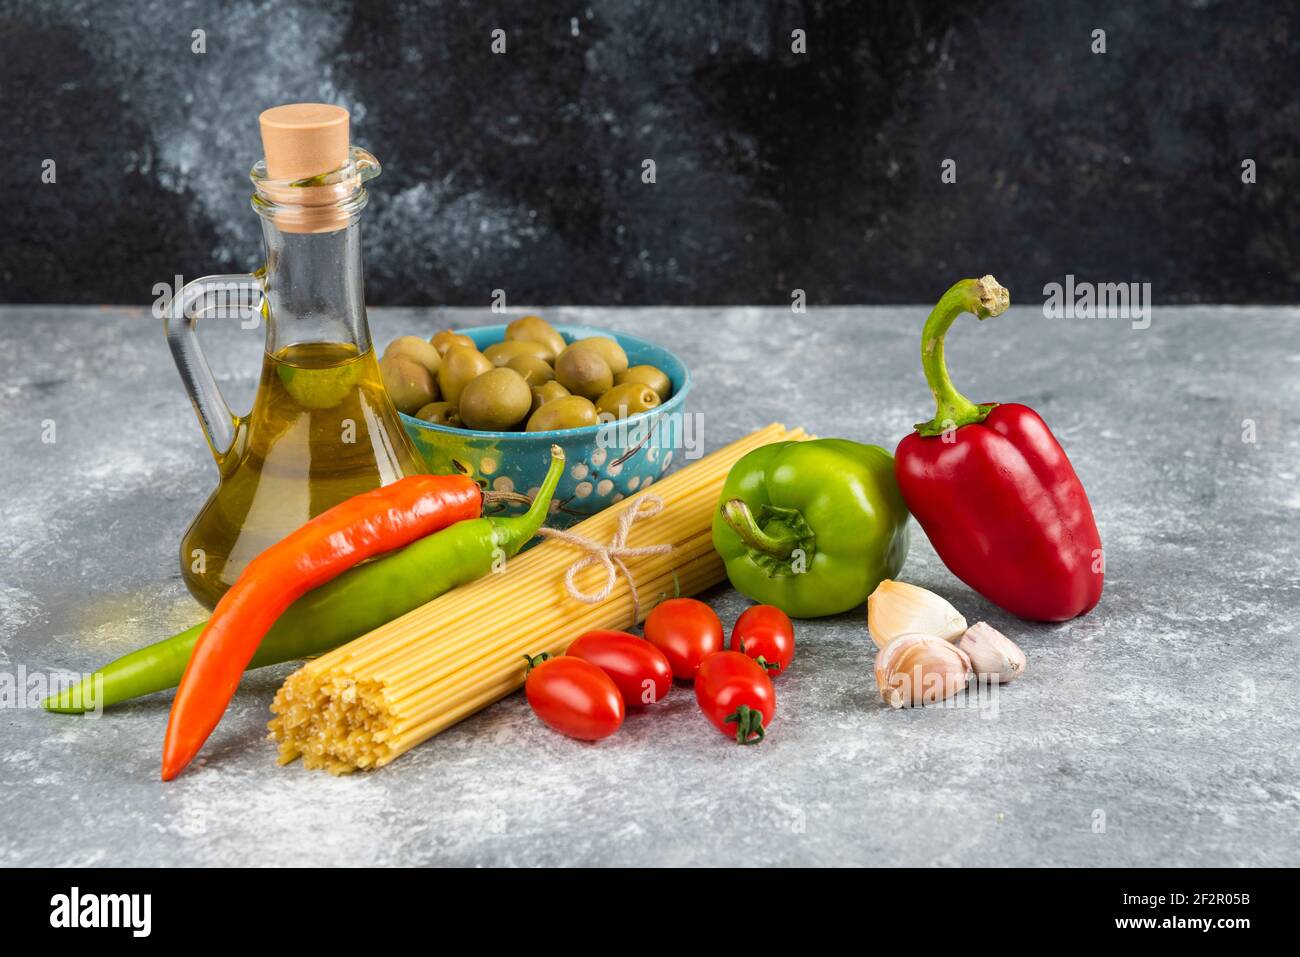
point(356, 602)
point(811, 527)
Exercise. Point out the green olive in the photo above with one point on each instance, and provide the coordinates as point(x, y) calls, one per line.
point(460, 364)
point(536, 329)
point(413, 347)
point(566, 412)
point(440, 413)
point(584, 372)
point(608, 349)
point(502, 352)
point(648, 375)
point(442, 341)
point(408, 383)
point(628, 399)
point(534, 370)
point(497, 400)
point(547, 391)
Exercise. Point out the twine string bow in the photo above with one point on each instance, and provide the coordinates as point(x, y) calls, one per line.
point(611, 556)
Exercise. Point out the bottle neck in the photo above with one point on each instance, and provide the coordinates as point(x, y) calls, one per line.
point(314, 287)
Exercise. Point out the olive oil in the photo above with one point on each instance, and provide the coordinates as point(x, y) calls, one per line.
point(322, 428)
point(320, 431)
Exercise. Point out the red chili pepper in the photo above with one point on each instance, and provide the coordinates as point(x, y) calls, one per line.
point(993, 489)
point(365, 525)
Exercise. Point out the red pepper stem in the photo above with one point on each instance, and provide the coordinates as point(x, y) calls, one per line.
point(984, 298)
point(741, 520)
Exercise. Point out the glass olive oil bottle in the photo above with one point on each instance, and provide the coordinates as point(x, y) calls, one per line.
point(322, 428)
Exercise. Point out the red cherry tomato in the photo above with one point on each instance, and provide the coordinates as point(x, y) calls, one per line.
point(764, 631)
point(686, 631)
point(639, 669)
point(574, 697)
point(735, 693)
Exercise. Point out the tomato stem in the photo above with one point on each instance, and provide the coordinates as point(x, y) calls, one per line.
point(533, 662)
point(748, 721)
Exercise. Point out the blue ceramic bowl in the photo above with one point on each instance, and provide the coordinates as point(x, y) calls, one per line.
point(603, 463)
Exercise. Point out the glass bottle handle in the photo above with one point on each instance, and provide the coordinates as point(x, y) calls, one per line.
point(206, 296)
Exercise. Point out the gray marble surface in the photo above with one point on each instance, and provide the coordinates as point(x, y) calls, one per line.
point(1160, 729)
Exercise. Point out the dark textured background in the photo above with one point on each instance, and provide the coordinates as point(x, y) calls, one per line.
point(775, 171)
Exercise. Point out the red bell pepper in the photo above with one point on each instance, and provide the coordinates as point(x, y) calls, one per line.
point(993, 489)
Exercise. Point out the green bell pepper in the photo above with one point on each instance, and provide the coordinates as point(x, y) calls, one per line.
point(812, 527)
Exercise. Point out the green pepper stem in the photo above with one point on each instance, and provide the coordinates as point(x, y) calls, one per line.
point(741, 520)
point(984, 298)
point(513, 532)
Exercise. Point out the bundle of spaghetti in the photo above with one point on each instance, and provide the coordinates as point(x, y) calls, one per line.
point(366, 702)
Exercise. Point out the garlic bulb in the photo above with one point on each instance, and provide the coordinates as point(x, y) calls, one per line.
point(919, 670)
point(992, 654)
point(897, 608)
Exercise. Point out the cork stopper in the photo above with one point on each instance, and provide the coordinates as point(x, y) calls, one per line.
point(301, 140)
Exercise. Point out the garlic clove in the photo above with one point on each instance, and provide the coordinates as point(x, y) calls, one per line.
point(992, 653)
point(919, 670)
point(897, 608)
